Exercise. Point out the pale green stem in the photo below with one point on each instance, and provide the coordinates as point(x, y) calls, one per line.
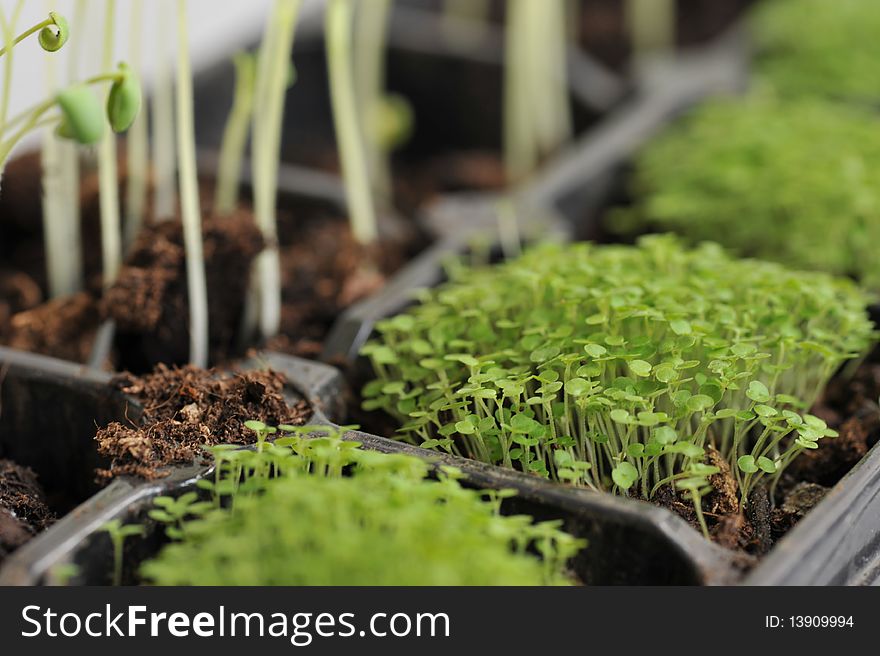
point(361, 210)
point(137, 142)
point(520, 141)
point(474, 13)
point(190, 211)
point(162, 106)
point(60, 220)
point(371, 35)
point(8, 27)
point(108, 178)
point(272, 78)
point(235, 136)
point(651, 26)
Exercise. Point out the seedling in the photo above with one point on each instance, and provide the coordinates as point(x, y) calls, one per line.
point(651, 26)
point(317, 509)
point(535, 67)
point(617, 367)
point(190, 211)
point(272, 80)
point(119, 533)
point(162, 105)
point(235, 134)
point(137, 144)
point(818, 48)
point(353, 156)
point(733, 170)
point(173, 512)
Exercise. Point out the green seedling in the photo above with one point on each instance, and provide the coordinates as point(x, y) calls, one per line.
point(535, 67)
point(137, 143)
point(353, 156)
point(735, 171)
point(616, 367)
point(345, 514)
point(273, 76)
point(235, 134)
point(173, 512)
point(819, 48)
point(190, 210)
point(119, 533)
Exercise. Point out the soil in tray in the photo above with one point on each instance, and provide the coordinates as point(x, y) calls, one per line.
point(323, 271)
point(185, 409)
point(23, 508)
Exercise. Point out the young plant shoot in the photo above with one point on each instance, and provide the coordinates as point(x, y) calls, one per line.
point(535, 68)
point(163, 146)
point(273, 75)
point(355, 165)
point(137, 144)
point(651, 27)
point(734, 171)
point(345, 514)
point(235, 134)
point(190, 211)
point(108, 178)
point(620, 368)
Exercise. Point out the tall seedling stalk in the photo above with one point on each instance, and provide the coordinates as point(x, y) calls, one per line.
point(137, 142)
point(189, 199)
point(537, 117)
point(235, 135)
point(372, 30)
point(61, 216)
point(273, 74)
point(108, 177)
point(355, 170)
point(651, 26)
point(164, 163)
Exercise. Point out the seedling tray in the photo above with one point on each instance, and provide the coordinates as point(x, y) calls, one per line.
point(629, 543)
point(838, 541)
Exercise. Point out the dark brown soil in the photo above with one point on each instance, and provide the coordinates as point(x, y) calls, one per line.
point(23, 509)
point(187, 408)
point(324, 271)
point(149, 300)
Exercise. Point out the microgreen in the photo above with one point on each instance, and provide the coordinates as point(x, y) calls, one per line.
point(739, 171)
point(808, 47)
point(617, 367)
point(118, 533)
point(314, 509)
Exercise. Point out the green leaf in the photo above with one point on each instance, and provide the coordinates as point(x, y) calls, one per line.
point(680, 327)
point(758, 392)
point(747, 464)
point(577, 387)
point(640, 367)
point(624, 475)
point(81, 117)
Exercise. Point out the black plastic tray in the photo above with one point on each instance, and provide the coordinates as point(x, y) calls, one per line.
point(629, 542)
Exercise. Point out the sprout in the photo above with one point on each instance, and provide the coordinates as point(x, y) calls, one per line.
point(617, 367)
point(273, 75)
point(137, 145)
point(191, 215)
point(53, 32)
point(82, 118)
point(124, 99)
point(355, 168)
point(235, 134)
point(118, 534)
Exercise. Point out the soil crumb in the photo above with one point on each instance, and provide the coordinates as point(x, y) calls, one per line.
point(23, 509)
point(186, 408)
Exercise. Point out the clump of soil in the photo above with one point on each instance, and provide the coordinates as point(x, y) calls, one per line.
point(23, 509)
point(63, 328)
point(186, 408)
point(149, 300)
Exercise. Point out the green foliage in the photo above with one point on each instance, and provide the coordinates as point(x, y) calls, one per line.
point(124, 99)
point(119, 533)
point(616, 367)
point(82, 119)
point(313, 509)
point(816, 47)
point(796, 182)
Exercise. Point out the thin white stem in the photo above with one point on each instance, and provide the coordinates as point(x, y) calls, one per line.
point(108, 177)
point(235, 136)
point(137, 141)
point(361, 210)
point(370, 38)
point(189, 199)
point(272, 78)
point(162, 109)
